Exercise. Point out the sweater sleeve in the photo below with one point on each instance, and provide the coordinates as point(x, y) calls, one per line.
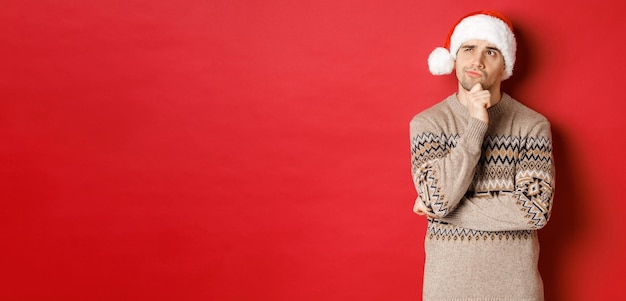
point(443, 166)
point(528, 207)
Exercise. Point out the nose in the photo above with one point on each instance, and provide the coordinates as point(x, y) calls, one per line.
point(478, 60)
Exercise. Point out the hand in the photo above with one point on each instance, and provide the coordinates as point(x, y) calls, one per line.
point(478, 101)
point(420, 209)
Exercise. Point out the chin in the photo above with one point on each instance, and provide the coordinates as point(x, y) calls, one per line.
point(468, 84)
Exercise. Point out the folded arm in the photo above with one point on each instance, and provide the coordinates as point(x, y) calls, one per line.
point(443, 166)
point(528, 207)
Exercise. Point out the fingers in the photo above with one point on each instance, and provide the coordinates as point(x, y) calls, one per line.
point(419, 208)
point(477, 87)
point(479, 96)
point(416, 208)
point(478, 102)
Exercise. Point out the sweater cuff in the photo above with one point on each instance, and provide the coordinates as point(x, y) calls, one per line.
point(475, 133)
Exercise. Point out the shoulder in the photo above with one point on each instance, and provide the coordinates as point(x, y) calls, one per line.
point(434, 116)
point(524, 114)
point(528, 122)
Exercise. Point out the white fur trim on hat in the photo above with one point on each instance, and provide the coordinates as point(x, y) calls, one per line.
point(476, 27)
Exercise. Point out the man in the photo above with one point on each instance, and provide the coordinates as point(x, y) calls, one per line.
point(482, 165)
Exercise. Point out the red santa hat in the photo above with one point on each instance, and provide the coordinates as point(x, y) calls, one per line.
point(488, 25)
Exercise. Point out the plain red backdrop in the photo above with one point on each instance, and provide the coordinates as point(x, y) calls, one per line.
point(259, 150)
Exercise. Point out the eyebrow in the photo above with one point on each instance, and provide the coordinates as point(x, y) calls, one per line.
point(488, 47)
point(494, 48)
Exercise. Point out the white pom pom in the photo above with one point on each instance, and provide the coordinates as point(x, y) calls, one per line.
point(440, 61)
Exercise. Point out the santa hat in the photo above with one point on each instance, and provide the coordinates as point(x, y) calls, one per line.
point(487, 25)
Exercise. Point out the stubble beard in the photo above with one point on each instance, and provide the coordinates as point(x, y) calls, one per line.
point(468, 83)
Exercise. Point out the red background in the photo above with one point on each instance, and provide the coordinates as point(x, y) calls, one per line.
point(259, 150)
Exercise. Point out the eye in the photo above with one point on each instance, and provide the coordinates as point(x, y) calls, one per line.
point(491, 53)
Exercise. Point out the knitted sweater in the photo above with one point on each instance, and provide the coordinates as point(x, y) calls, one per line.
point(490, 188)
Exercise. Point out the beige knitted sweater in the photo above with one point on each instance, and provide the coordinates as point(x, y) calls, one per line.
point(490, 187)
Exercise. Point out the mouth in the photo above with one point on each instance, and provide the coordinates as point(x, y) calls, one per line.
point(473, 74)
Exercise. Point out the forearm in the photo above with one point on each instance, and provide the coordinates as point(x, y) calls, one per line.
point(502, 212)
point(528, 203)
point(442, 175)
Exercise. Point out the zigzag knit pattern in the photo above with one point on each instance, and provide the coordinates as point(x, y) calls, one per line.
point(489, 187)
point(439, 230)
point(431, 147)
point(511, 165)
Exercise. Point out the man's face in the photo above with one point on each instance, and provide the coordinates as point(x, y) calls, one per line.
point(479, 61)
